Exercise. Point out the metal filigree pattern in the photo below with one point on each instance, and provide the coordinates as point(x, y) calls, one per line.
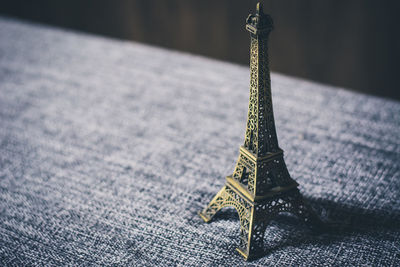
point(264, 212)
point(229, 198)
point(245, 171)
point(260, 136)
point(260, 186)
point(272, 173)
point(255, 216)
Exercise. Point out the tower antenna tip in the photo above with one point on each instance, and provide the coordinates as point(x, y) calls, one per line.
point(259, 8)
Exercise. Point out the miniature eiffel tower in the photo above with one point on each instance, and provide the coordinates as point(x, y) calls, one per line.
point(260, 186)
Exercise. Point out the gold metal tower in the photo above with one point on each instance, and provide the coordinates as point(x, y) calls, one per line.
point(260, 186)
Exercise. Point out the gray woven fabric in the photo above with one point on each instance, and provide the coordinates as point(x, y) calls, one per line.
point(108, 149)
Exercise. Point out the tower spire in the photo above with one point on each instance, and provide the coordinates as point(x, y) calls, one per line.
point(259, 9)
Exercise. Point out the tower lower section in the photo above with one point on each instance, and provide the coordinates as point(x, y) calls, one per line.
point(255, 215)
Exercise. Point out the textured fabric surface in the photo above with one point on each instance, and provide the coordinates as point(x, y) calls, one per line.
point(108, 149)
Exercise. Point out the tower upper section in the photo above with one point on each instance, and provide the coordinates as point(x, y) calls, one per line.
point(261, 138)
point(259, 23)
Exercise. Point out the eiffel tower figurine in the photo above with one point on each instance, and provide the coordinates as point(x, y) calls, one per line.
point(260, 186)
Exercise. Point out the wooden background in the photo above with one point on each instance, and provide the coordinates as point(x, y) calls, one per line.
point(353, 43)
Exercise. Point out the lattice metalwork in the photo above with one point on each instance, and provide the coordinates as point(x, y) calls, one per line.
point(227, 197)
point(260, 132)
point(260, 186)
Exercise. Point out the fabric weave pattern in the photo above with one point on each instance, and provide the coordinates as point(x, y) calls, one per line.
point(108, 149)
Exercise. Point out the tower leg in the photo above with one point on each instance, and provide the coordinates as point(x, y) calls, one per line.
point(227, 197)
point(214, 206)
point(258, 223)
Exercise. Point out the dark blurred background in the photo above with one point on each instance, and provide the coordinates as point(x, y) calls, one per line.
point(349, 43)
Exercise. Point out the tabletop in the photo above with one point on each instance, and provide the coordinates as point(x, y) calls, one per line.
point(109, 148)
